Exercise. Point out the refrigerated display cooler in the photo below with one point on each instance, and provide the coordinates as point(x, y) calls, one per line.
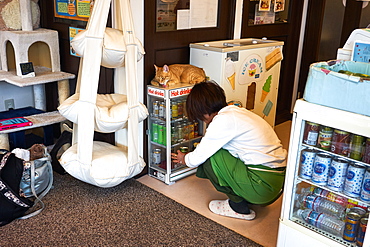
point(170, 130)
point(247, 69)
point(327, 186)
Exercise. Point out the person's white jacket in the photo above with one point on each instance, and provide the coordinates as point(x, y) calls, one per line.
point(244, 134)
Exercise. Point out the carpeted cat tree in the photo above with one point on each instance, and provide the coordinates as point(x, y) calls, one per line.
point(94, 162)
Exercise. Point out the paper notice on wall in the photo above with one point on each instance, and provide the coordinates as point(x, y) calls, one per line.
point(183, 19)
point(203, 13)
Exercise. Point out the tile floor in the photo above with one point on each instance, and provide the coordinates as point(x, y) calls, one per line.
point(195, 193)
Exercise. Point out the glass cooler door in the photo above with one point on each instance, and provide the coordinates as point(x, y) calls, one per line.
point(331, 184)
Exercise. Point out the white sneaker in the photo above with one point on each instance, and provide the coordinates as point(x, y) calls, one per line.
point(223, 208)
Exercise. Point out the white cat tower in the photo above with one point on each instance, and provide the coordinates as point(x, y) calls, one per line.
point(99, 163)
point(22, 41)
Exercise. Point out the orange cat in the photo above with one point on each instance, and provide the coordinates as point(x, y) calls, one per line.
point(169, 75)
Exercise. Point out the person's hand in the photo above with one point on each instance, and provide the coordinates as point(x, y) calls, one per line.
point(178, 158)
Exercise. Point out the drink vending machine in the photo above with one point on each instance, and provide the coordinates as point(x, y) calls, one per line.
point(169, 130)
point(327, 186)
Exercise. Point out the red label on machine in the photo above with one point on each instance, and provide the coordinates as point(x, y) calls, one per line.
point(156, 92)
point(180, 92)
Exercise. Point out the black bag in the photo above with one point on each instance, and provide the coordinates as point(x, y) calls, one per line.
point(20, 180)
point(12, 204)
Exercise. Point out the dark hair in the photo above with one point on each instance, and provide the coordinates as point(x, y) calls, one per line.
point(205, 98)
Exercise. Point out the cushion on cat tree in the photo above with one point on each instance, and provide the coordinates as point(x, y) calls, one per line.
point(10, 15)
point(103, 171)
point(111, 111)
point(114, 47)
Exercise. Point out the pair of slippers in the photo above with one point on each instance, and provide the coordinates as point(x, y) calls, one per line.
point(222, 207)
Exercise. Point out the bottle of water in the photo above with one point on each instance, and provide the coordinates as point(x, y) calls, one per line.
point(326, 194)
point(322, 221)
point(320, 205)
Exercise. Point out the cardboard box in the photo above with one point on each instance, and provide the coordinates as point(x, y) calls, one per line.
point(329, 87)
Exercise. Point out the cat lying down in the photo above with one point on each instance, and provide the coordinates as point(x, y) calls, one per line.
point(170, 75)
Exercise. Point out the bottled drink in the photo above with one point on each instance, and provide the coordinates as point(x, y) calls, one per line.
point(322, 221)
point(326, 194)
point(321, 205)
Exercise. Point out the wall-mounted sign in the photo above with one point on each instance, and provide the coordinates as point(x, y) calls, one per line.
point(175, 15)
point(73, 31)
point(73, 9)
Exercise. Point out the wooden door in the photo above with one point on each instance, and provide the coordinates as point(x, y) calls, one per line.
point(286, 30)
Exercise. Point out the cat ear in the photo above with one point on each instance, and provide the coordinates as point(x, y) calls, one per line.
point(166, 68)
point(156, 67)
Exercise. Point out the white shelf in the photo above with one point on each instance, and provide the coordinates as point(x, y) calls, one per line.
point(39, 120)
point(43, 75)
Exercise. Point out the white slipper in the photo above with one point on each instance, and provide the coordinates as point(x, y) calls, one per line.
point(223, 208)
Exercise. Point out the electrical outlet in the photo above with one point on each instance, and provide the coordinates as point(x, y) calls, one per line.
point(9, 104)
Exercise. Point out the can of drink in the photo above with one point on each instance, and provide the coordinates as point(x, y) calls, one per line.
point(311, 132)
point(180, 133)
point(340, 142)
point(324, 139)
point(174, 110)
point(162, 110)
point(173, 135)
point(307, 161)
point(155, 131)
point(354, 178)
point(191, 130)
point(156, 108)
point(361, 231)
point(365, 188)
point(180, 108)
point(321, 168)
point(157, 156)
point(184, 149)
point(352, 221)
point(366, 156)
point(337, 174)
point(161, 133)
point(164, 135)
point(185, 131)
point(357, 147)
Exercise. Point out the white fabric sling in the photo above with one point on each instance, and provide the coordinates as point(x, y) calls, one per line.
point(99, 163)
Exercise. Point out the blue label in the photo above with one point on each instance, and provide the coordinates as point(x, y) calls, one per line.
point(350, 175)
point(320, 168)
point(366, 185)
point(332, 171)
point(312, 218)
point(303, 158)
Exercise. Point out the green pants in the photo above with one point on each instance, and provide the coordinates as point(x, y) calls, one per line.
point(238, 181)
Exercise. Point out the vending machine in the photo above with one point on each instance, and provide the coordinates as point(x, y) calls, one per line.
point(247, 69)
point(327, 186)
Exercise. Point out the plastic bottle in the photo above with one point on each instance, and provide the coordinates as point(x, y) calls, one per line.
point(322, 221)
point(326, 194)
point(321, 205)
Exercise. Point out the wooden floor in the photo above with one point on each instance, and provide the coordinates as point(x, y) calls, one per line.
point(196, 193)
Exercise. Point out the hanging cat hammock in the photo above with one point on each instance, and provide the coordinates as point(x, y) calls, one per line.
point(100, 163)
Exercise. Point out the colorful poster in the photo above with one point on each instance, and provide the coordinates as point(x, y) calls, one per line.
point(73, 31)
point(264, 5)
point(263, 17)
point(73, 9)
point(166, 15)
point(279, 5)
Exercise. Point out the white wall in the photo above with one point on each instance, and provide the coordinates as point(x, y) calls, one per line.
point(23, 97)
